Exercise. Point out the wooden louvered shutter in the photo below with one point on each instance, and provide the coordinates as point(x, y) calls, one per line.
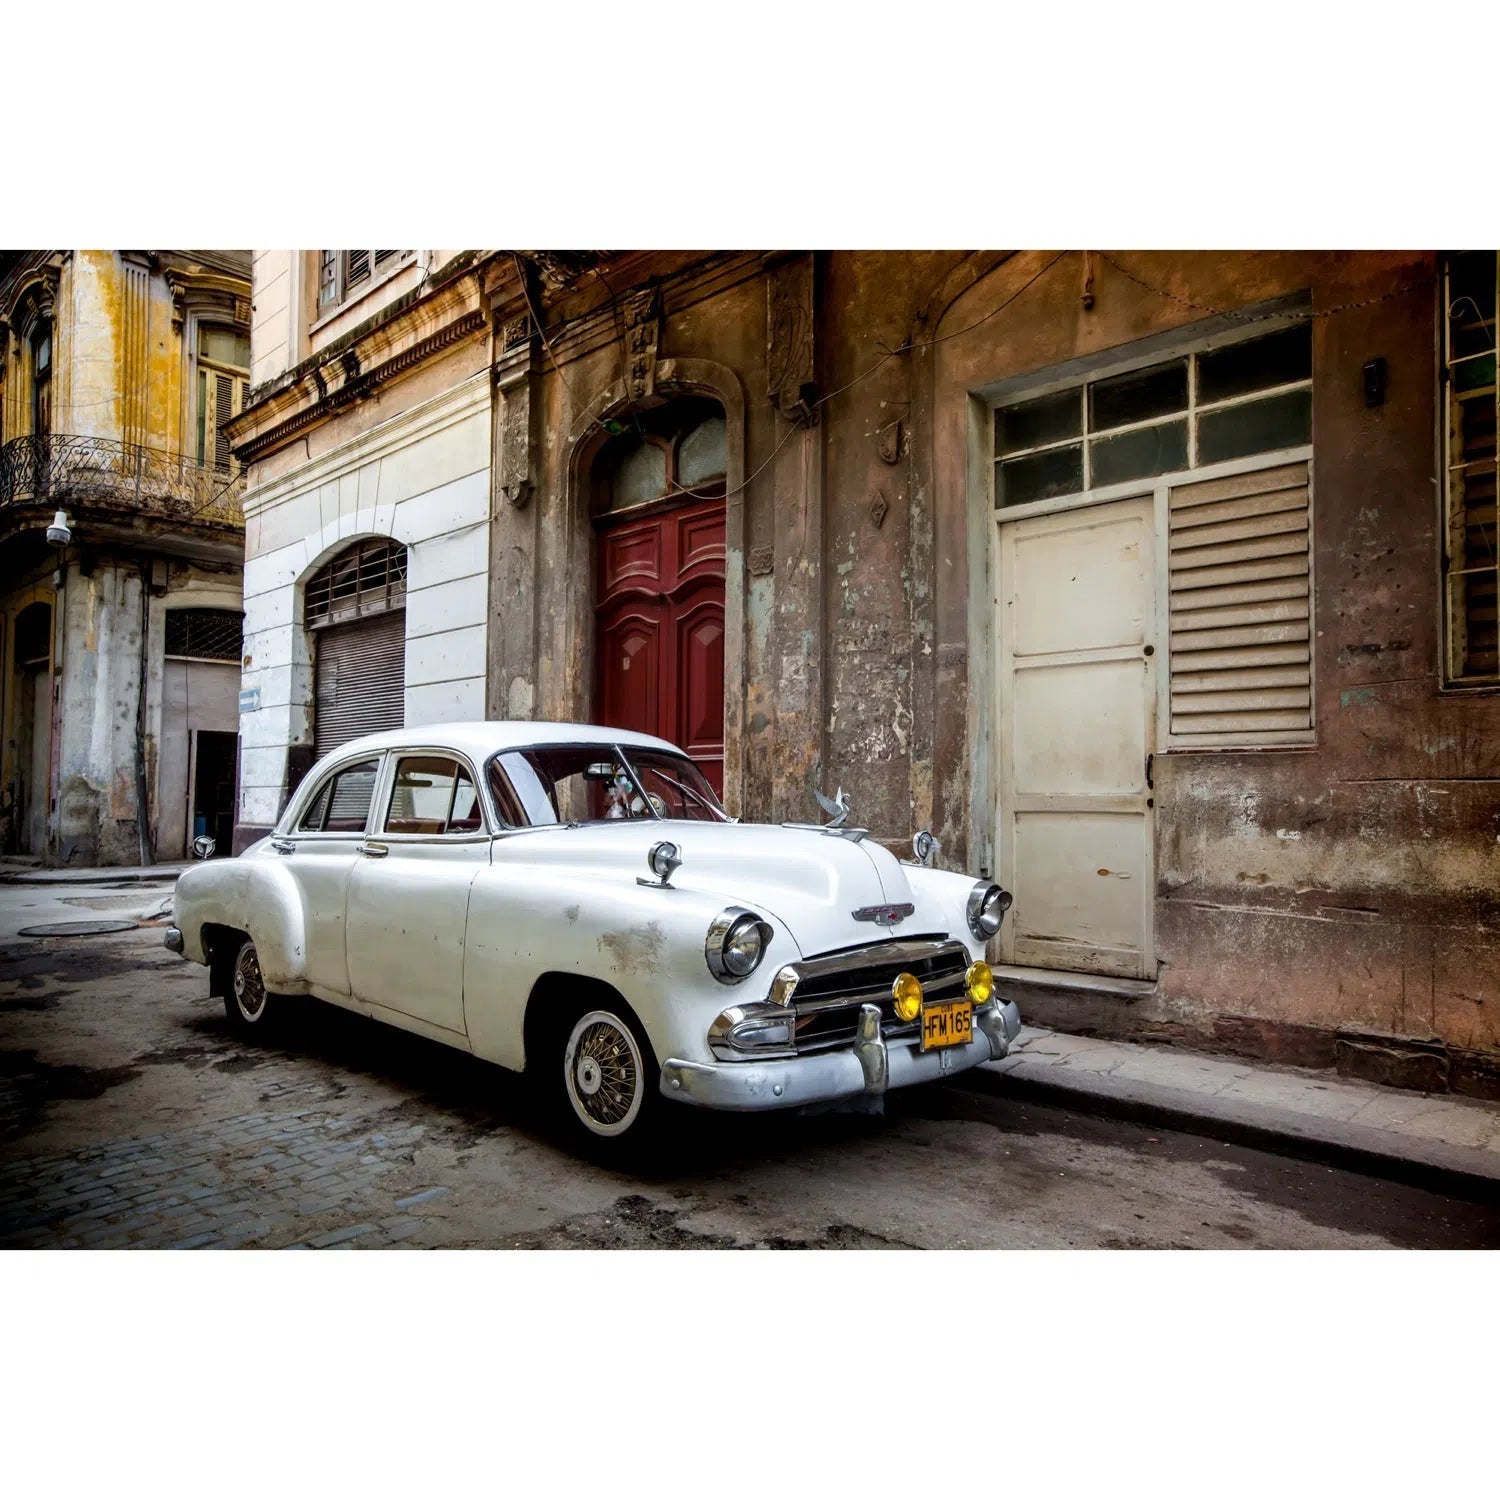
point(1239, 610)
point(358, 268)
point(360, 679)
point(383, 258)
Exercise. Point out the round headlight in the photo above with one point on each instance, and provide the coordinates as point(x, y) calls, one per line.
point(987, 907)
point(736, 944)
point(906, 991)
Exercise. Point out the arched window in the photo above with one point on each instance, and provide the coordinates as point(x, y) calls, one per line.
point(355, 607)
point(364, 579)
point(670, 452)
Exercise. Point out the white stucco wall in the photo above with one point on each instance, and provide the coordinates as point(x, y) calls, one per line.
point(423, 478)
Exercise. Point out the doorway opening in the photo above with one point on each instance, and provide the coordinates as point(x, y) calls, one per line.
point(216, 758)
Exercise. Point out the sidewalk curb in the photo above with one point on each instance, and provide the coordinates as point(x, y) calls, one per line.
point(99, 876)
point(1455, 1171)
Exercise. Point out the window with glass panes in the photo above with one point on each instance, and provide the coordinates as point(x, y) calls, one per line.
point(1233, 401)
point(1469, 551)
point(223, 378)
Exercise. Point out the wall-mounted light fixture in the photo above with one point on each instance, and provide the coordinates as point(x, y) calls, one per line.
point(59, 533)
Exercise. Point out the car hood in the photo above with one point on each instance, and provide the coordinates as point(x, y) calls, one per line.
point(808, 882)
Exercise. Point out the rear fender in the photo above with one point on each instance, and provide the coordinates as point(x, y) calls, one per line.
point(256, 896)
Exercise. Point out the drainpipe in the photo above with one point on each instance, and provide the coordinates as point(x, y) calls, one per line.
point(142, 812)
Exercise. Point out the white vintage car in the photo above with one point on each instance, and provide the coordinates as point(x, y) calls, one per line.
point(573, 902)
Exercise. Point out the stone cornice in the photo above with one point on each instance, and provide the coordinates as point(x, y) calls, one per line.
point(415, 328)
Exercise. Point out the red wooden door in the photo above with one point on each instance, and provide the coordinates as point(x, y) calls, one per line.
point(660, 630)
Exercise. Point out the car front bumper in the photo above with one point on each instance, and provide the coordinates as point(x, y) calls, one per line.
point(870, 1067)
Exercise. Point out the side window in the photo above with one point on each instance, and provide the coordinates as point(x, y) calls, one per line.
point(432, 795)
point(342, 803)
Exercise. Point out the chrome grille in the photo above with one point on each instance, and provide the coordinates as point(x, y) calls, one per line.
point(831, 989)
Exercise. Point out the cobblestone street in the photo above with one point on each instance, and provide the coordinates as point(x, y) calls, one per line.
point(130, 1116)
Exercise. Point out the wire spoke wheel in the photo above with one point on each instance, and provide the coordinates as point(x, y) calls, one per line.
point(248, 985)
point(604, 1073)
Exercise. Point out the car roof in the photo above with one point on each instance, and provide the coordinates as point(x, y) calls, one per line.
point(481, 738)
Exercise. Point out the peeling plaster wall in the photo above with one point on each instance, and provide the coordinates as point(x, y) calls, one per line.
point(1353, 884)
point(95, 729)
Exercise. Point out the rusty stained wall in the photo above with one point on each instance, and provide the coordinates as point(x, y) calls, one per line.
point(1353, 884)
point(819, 556)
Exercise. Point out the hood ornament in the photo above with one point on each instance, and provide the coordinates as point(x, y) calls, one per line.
point(837, 810)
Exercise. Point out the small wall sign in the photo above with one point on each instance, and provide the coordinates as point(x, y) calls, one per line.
point(249, 700)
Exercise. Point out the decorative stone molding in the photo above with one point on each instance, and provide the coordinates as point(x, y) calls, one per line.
point(515, 438)
point(203, 291)
point(642, 339)
point(359, 363)
point(790, 353)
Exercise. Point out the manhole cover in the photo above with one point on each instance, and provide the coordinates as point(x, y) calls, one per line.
point(75, 929)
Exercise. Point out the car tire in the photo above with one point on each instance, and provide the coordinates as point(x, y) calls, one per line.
point(608, 1081)
point(251, 1009)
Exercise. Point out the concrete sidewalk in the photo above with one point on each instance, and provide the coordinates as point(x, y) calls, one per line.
point(25, 872)
point(1441, 1141)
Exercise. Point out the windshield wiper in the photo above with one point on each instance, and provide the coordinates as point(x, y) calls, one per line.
point(708, 807)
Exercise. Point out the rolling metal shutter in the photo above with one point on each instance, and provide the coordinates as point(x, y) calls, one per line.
point(1239, 610)
point(360, 679)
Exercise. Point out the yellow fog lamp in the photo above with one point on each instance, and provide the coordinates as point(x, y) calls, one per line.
point(906, 991)
point(979, 982)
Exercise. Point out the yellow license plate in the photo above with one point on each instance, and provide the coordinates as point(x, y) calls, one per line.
point(947, 1023)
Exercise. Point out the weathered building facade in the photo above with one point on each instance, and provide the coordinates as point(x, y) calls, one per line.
point(119, 626)
point(1160, 586)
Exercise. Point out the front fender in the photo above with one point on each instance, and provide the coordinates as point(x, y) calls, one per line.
point(941, 899)
point(251, 895)
point(644, 941)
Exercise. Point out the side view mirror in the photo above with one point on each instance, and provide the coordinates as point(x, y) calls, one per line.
point(203, 847)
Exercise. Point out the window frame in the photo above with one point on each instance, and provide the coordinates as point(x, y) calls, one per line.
point(1451, 680)
point(344, 294)
point(387, 793)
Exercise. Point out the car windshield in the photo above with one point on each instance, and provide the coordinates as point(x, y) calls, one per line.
point(598, 783)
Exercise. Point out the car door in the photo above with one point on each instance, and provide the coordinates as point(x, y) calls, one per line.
point(409, 891)
point(321, 849)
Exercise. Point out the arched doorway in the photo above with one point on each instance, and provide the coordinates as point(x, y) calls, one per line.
point(659, 612)
point(31, 727)
point(355, 607)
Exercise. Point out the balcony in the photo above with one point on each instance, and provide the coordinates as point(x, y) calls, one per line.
point(117, 483)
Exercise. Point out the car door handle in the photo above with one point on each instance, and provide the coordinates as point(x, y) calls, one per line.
point(284, 846)
point(374, 851)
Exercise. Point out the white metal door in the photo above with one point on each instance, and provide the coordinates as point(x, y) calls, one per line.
point(1076, 724)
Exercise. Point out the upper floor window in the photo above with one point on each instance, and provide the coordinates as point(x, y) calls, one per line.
point(1469, 545)
point(223, 378)
point(41, 380)
point(342, 273)
point(1239, 399)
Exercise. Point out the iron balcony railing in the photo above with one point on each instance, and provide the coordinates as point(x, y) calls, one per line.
point(67, 470)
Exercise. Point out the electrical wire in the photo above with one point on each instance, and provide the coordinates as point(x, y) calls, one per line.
point(1299, 315)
